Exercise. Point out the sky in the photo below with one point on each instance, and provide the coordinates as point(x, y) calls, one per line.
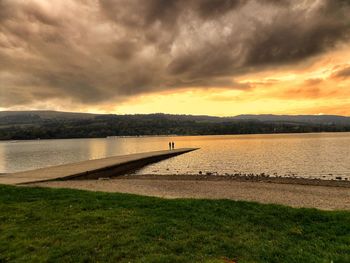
point(208, 57)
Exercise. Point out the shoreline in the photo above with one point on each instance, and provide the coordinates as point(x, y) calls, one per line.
point(239, 178)
point(294, 193)
point(170, 135)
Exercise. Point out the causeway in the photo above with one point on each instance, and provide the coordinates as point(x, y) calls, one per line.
point(91, 169)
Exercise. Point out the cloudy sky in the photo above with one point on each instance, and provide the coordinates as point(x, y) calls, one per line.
point(214, 57)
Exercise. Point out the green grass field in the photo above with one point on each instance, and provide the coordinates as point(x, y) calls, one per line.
point(57, 225)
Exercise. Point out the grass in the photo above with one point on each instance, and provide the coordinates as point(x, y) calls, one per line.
point(58, 225)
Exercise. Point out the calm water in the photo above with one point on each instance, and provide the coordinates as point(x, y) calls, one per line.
point(324, 155)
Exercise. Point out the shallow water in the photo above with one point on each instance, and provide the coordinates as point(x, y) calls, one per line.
point(325, 155)
point(322, 155)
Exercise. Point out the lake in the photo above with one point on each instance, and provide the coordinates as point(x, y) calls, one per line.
point(321, 155)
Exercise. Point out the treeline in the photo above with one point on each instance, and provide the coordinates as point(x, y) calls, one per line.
point(138, 125)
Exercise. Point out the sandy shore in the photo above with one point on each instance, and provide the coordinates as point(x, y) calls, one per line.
point(305, 193)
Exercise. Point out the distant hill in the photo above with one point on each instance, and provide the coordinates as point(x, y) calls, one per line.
point(34, 117)
point(7, 117)
point(47, 114)
point(314, 119)
point(15, 125)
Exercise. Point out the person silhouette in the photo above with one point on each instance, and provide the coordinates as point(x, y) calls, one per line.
point(173, 145)
point(169, 145)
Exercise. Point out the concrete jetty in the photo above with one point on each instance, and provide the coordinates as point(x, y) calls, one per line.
point(91, 169)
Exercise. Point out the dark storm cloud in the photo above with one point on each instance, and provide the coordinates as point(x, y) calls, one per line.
point(94, 51)
point(212, 8)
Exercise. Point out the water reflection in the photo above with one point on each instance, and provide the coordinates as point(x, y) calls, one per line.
point(323, 155)
point(25, 155)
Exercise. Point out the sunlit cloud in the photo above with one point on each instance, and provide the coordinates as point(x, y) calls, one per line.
point(197, 56)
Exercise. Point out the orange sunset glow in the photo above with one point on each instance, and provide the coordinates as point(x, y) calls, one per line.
point(234, 57)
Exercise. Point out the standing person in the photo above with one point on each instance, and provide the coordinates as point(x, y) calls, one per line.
point(173, 145)
point(169, 145)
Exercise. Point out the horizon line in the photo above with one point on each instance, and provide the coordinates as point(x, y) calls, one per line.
point(176, 114)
